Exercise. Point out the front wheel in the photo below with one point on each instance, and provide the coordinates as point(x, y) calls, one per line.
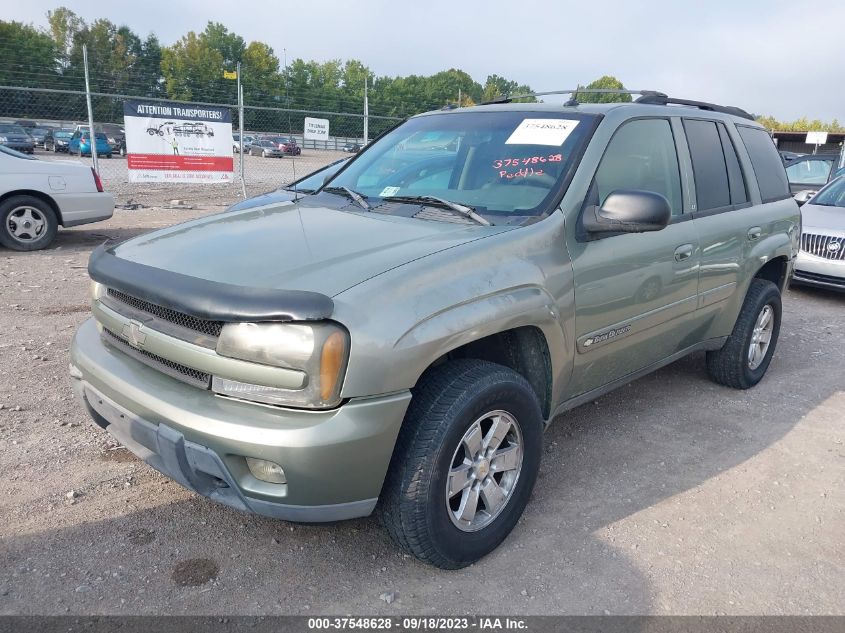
point(745, 356)
point(464, 464)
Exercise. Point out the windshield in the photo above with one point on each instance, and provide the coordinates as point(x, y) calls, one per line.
point(831, 196)
point(12, 129)
point(314, 181)
point(508, 163)
point(63, 134)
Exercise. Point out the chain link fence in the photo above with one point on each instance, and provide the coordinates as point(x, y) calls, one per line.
point(253, 174)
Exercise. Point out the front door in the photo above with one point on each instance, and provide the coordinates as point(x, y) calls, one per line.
point(634, 293)
point(809, 173)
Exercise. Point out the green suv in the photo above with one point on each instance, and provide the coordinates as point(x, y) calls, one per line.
point(397, 342)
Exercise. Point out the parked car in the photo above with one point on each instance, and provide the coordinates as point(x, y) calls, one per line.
point(352, 148)
point(267, 149)
point(402, 347)
point(286, 144)
point(236, 147)
point(57, 140)
point(80, 143)
point(810, 172)
point(821, 260)
point(15, 137)
point(303, 187)
point(38, 134)
point(38, 196)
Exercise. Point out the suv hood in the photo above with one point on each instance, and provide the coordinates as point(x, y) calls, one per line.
point(292, 247)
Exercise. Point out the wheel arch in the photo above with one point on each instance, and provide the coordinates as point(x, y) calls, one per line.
point(775, 270)
point(40, 195)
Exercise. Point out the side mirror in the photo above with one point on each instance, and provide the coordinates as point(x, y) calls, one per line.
point(628, 211)
point(803, 196)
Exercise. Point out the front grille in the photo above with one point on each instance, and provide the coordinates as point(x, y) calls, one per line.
point(174, 370)
point(826, 246)
point(204, 326)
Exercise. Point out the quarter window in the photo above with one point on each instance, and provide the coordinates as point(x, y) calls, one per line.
point(767, 164)
point(641, 155)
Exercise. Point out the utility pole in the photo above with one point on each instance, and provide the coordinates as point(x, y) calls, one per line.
point(93, 136)
point(459, 97)
point(366, 112)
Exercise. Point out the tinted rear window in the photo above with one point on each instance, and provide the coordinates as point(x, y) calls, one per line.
point(739, 193)
point(768, 167)
point(708, 164)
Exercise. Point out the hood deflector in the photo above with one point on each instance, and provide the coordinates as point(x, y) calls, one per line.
point(203, 298)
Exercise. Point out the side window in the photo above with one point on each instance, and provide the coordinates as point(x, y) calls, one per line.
point(708, 165)
point(809, 172)
point(736, 179)
point(641, 155)
point(768, 167)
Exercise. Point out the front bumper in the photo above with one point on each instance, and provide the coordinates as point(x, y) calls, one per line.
point(334, 461)
point(819, 271)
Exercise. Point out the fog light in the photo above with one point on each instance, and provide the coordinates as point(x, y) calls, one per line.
point(266, 471)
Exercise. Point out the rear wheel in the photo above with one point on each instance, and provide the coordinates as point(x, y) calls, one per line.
point(26, 223)
point(745, 356)
point(464, 464)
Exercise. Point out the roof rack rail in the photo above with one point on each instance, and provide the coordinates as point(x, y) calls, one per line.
point(653, 99)
point(509, 98)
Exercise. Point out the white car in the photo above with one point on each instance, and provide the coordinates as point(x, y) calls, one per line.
point(821, 260)
point(36, 196)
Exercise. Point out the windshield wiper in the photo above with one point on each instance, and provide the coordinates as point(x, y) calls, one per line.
point(464, 210)
point(353, 195)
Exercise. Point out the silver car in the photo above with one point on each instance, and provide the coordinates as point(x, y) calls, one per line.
point(821, 260)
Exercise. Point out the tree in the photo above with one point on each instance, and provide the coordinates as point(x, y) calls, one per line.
point(192, 69)
point(64, 25)
point(607, 82)
point(497, 86)
point(29, 56)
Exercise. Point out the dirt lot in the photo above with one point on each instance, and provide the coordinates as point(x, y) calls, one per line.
point(671, 495)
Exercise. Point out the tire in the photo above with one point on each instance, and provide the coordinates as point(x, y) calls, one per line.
point(448, 403)
point(734, 365)
point(19, 209)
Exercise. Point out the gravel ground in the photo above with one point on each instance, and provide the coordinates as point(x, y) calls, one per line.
point(669, 496)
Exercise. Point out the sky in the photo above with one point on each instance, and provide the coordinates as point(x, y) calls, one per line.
point(768, 57)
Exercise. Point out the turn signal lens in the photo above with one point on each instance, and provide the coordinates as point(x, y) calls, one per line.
point(331, 364)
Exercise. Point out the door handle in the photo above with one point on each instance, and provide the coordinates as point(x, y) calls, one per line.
point(754, 233)
point(684, 251)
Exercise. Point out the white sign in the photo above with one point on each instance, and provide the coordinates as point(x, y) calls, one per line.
point(177, 142)
point(316, 129)
point(542, 132)
point(816, 138)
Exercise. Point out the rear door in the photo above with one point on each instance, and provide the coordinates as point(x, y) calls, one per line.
point(721, 195)
point(634, 293)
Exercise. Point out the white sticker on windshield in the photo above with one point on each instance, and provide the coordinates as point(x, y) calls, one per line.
point(388, 191)
point(542, 132)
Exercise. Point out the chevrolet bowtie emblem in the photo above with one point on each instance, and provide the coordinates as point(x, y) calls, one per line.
point(133, 334)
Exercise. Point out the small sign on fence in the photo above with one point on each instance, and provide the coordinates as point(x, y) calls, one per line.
point(178, 142)
point(316, 129)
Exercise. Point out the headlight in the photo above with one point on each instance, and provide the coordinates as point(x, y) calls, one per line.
point(3, 139)
point(320, 350)
point(97, 290)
